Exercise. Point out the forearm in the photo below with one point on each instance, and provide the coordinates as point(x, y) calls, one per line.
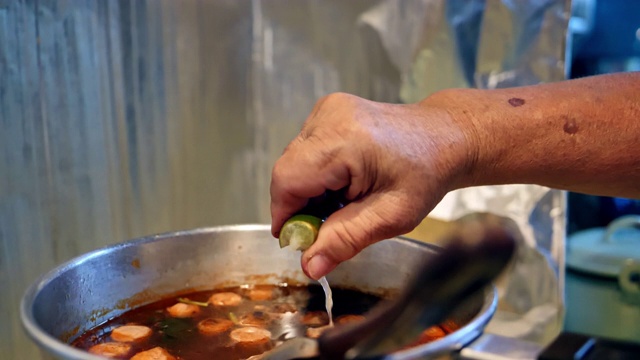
point(580, 135)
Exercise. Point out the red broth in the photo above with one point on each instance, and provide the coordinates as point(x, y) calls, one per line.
point(229, 327)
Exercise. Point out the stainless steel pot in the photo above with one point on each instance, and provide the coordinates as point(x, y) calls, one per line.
point(605, 264)
point(102, 284)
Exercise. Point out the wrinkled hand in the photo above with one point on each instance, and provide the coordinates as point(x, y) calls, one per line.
point(395, 162)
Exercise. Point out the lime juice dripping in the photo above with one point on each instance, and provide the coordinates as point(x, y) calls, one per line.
point(328, 303)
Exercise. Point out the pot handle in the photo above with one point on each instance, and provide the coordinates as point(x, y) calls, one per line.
point(629, 281)
point(624, 222)
point(629, 275)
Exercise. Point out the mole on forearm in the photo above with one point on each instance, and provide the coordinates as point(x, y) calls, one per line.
point(515, 102)
point(570, 126)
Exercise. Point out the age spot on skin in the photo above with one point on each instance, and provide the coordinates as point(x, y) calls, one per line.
point(570, 127)
point(515, 102)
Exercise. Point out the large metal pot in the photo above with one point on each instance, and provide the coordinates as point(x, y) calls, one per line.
point(92, 288)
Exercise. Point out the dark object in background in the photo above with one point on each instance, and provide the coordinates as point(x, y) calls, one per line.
point(582, 347)
point(604, 37)
point(587, 211)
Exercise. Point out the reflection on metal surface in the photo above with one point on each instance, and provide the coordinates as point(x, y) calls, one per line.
point(492, 347)
point(120, 119)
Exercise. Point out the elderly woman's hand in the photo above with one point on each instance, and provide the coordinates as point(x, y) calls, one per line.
point(394, 162)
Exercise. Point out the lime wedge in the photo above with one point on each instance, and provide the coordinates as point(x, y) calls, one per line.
point(299, 232)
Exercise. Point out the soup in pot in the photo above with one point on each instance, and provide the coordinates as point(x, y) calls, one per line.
point(230, 323)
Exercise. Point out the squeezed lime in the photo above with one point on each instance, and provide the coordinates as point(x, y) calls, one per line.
point(300, 232)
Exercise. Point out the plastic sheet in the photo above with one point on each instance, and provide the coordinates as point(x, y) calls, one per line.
point(531, 291)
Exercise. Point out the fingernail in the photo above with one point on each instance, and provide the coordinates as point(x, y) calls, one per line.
point(319, 266)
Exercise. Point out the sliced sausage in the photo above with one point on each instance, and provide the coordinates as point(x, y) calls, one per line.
point(182, 310)
point(260, 294)
point(315, 318)
point(433, 333)
point(211, 327)
point(225, 299)
point(131, 333)
point(449, 326)
point(251, 336)
point(110, 349)
point(157, 353)
point(256, 318)
point(346, 319)
point(315, 332)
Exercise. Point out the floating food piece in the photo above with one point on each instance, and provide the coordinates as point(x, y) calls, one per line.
point(346, 319)
point(251, 336)
point(434, 332)
point(182, 310)
point(229, 332)
point(256, 318)
point(282, 308)
point(449, 326)
point(193, 302)
point(315, 318)
point(110, 349)
point(157, 353)
point(233, 317)
point(315, 332)
point(260, 294)
point(131, 333)
point(212, 326)
point(431, 334)
point(225, 299)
